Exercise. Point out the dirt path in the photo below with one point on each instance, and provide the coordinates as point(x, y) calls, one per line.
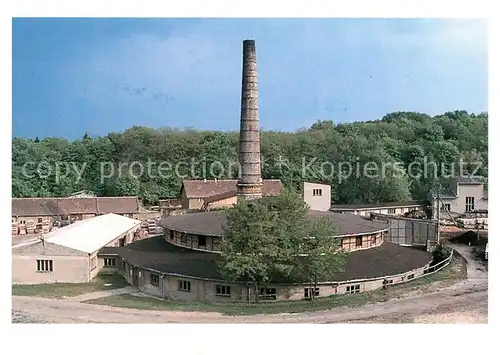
point(464, 302)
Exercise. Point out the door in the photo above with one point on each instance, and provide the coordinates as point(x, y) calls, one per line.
point(135, 277)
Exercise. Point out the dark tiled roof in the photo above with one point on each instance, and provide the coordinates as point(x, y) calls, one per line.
point(213, 222)
point(107, 251)
point(387, 259)
point(57, 206)
point(203, 189)
point(52, 206)
point(470, 180)
point(155, 253)
point(128, 204)
point(379, 205)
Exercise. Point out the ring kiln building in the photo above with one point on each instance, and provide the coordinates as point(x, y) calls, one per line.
point(182, 264)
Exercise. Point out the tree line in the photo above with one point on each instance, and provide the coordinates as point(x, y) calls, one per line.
point(404, 143)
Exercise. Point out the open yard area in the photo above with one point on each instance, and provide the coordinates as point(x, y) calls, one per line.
point(456, 271)
point(62, 290)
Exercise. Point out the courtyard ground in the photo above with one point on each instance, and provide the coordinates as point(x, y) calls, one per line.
point(64, 290)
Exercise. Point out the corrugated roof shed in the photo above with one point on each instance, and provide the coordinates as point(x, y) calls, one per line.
point(92, 234)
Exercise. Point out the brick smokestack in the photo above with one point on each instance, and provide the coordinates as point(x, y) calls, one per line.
point(249, 185)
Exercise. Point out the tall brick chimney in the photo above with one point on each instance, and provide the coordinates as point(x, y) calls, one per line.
point(249, 184)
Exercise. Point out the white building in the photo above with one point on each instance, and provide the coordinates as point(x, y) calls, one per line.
point(69, 254)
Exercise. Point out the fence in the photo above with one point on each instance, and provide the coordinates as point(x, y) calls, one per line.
point(409, 231)
point(427, 270)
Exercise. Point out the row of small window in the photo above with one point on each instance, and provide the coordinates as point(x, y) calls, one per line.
point(220, 290)
point(265, 293)
point(359, 241)
point(190, 241)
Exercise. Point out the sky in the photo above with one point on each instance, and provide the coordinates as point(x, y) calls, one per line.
point(72, 76)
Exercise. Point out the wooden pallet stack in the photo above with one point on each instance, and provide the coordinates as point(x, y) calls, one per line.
point(15, 227)
point(45, 226)
point(151, 226)
point(30, 227)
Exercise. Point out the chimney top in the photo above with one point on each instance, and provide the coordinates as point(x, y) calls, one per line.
point(249, 42)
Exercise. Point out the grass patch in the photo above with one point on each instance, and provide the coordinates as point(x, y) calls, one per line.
point(61, 290)
point(455, 271)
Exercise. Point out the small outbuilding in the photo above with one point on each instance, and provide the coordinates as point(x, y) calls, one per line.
point(69, 254)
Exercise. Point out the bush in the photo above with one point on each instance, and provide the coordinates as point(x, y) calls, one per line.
point(439, 254)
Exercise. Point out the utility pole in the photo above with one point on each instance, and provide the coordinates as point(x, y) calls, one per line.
point(438, 212)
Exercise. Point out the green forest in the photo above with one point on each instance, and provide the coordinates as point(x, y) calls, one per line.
point(418, 151)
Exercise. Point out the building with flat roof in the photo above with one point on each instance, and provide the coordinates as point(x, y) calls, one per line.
point(389, 208)
point(69, 254)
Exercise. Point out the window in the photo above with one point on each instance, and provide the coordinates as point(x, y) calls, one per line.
point(359, 241)
point(309, 291)
point(171, 235)
point(40, 220)
point(268, 293)
point(183, 239)
point(391, 211)
point(469, 204)
point(223, 290)
point(109, 262)
point(412, 276)
point(317, 192)
point(202, 241)
point(352, 289)
point(446, 207)
point(121, 242)
point(154, 279)
point(215, 244)
point(44, 266)
point(185, 286)
point(374, 240)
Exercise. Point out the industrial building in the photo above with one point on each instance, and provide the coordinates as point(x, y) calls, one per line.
point(389, 208)
point(38, 215)
point(464, 195)
point(69, 254)
point(199, 194)
point(182, 264)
